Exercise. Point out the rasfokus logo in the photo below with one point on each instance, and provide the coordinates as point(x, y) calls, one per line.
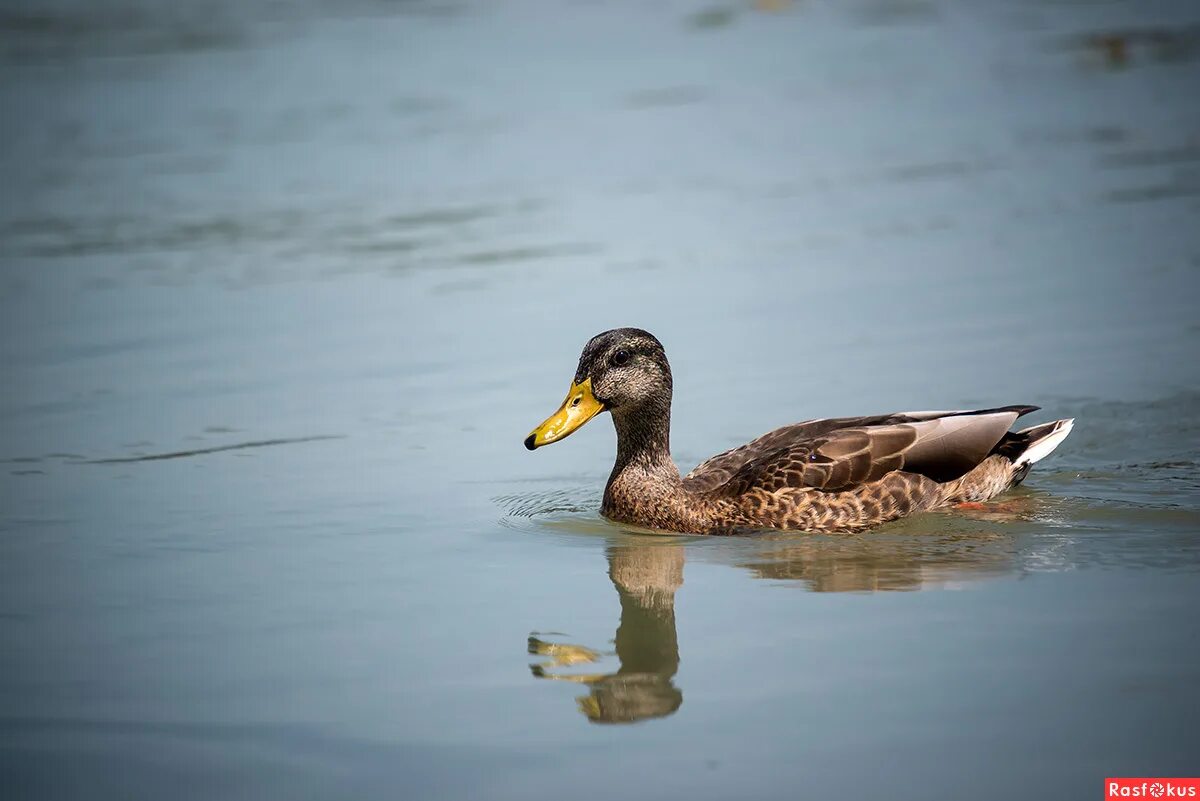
point(1151, 788)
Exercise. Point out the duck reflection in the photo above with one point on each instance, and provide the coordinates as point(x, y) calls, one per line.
point(941, 551)
point(646, 577)
point(886, 564)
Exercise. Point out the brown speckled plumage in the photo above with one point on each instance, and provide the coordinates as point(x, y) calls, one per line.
point(843, 474)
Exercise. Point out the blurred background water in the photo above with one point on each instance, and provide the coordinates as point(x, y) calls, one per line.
point(283, 285)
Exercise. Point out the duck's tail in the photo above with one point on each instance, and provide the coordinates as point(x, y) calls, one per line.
point(1031, 445)
point(1019, 450)
point(1042, 440)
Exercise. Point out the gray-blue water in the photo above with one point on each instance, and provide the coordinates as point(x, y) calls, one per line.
point(337, 260)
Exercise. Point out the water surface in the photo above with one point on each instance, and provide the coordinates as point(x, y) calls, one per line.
point(284, 286)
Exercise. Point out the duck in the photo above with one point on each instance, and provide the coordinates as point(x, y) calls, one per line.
point(831, 475)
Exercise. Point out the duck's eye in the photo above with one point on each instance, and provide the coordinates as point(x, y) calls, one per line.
point(620, 358)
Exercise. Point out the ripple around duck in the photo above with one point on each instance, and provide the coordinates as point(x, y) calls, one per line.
point(1030, 530)
point(1125, 494)
point(570, 511)
point(548, 502)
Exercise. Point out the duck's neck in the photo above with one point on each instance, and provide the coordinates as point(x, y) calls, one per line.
point(644, 440)
point(644, 480)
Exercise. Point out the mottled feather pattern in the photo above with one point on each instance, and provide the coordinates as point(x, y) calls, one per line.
point(843, 479)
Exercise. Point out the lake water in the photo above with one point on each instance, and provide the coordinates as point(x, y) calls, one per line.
point(336, 261)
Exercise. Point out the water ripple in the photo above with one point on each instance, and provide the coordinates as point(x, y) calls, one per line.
point(262, 443)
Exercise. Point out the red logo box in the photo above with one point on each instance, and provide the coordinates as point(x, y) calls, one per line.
point(1152, 789)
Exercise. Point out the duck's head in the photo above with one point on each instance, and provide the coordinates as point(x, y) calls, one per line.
point(622, 371)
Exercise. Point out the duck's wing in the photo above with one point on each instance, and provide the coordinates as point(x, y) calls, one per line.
point(842, 453)
point(720, 468)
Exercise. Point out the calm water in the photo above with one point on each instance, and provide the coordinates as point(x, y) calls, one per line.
point(336, 261)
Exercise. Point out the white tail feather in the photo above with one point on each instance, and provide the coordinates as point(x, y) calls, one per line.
point(1046, 445)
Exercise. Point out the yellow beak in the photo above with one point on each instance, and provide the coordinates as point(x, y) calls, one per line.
point(579, 407)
